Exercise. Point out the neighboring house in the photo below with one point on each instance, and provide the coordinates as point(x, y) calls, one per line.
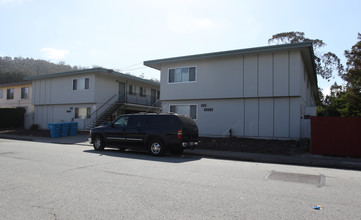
point(264, 92)
point(18, 94)
point(90, 96)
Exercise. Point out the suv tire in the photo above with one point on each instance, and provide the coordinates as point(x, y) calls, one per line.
point(98, 143)
point(156, 147)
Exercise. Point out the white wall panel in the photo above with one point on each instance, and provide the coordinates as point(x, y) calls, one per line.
point(250, 76)
point(266, 117)
point(251, 117)
point(281, 117)
point(265, 75)
point(296, 72)
point(281, 74)
point(295, 118)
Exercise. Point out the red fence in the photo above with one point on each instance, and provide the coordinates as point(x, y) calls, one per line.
point(336, 136)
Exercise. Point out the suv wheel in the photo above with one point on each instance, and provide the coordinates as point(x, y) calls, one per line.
point(156, 147)
point(98, 143)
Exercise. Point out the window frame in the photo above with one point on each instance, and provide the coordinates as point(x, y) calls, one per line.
point(78, 81)
point(142, 92)
point(8, 97)
point(176, 82)
point(77, 112)
point(196, 106)
point(131, 88)
point(25, 91)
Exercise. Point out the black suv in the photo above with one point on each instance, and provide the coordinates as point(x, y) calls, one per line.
point(154, 132)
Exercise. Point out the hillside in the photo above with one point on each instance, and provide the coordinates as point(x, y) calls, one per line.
point(15, 69)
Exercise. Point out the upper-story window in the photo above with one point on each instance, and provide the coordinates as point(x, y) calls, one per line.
point(10, 94)
point(132, 90)
point(1, 93)
point(185, 74)
point(25, 93)
point(81, 84)
point(142, 91)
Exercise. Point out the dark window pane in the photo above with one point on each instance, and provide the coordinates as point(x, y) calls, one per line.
point(88, 112)
point(86, 83)
point(171, 75)
point(193, 112)
point(192, 74)
point(75, 84)
point(172, 108)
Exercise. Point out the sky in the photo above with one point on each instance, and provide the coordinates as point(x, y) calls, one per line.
point(121, 35)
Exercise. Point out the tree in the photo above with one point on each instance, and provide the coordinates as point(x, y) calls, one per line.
point(326, 63)
point(346, 100)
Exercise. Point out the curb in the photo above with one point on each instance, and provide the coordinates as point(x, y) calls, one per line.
point(299, 160)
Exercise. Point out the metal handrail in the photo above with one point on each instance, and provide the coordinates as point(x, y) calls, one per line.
point(96, 112)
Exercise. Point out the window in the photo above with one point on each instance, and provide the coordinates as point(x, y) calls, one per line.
point(142, 92)
point(188, 110)
point(81, 84)
point(86, 83)
point(122, 121)
point(1, 93)
point(82, 113)
point(25, 93)
point(132, 90)
point(10, 94)
point(186, 74)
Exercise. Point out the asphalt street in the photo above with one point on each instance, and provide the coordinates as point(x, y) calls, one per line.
point(41, 180)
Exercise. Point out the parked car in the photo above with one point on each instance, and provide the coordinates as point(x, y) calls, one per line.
point(154, 132)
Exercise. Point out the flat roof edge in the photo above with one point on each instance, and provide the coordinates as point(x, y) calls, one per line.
point(156, 63)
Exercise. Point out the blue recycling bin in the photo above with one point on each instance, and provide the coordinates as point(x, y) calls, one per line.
point(64, 129)
point(73, 130)
point(55, 129)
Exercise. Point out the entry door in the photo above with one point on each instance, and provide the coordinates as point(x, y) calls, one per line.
point(121, 93)
point(153, 97)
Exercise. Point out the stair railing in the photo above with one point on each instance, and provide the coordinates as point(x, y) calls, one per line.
point(96, 112)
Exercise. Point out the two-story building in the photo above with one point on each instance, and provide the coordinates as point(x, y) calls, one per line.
point(18, 94)
point(264, 92)
point(90, 96)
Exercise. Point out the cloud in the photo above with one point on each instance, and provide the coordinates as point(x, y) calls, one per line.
point(54, 54)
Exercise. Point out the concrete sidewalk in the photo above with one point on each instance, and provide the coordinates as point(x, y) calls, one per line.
point(302, 160)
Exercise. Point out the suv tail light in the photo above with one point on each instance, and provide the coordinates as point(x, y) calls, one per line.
point(179, 134)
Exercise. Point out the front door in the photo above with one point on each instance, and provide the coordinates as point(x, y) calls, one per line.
point(121, 93)
point(153, 97)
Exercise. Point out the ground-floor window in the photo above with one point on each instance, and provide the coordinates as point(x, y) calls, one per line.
point(188, 110)
point(82, 113)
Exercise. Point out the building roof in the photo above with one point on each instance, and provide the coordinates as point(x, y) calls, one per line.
point(306, 49)
point(15, 83)
point(93, 70)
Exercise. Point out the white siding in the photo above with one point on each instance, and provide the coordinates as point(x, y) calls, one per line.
point(281, 117)
point(265, 78)
point(250, 76)
point(281, 74)
point(251, 117)
point(266, 117)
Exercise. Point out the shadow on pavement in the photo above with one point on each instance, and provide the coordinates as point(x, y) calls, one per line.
point(143, 155)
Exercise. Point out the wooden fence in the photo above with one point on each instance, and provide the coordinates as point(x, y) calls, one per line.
point(336, 136)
